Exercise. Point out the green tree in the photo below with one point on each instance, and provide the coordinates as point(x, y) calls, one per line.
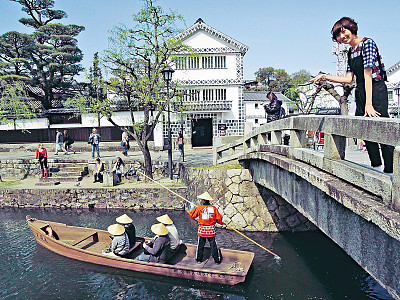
point(265, 75)
point(14, 103)
point(49, 56)
point(134, 60)
point(275, 80)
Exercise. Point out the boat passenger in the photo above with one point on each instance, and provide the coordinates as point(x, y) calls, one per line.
point(208, 216)
point(120, 242)
point(172, 231)
point(130, 230)
point(157, 250)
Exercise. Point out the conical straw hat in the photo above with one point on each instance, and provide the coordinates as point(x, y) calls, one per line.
point(124, 219)
point(205, 196)
point(165, 219)
point(159, 229)
point(116, 229)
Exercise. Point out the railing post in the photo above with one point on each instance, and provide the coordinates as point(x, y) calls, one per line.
point(334, 146)
point(276, 137)
point(396, 180)
point(216, 155)
point(262, 138)
point(297, 138)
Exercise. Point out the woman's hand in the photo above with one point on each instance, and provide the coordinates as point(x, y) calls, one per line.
point(318, 78)
point(371, 112)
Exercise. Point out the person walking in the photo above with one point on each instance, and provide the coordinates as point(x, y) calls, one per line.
point(272, 108)
point(94, 140)
point(364, 62)
point(41, 155)
point(208, 215)
point(68, 141)
point(125, 143)
point(59, 141)
point(180, 143)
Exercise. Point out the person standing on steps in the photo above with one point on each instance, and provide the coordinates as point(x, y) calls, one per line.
point(364, 62)
point(41, 155)
point(59, 141)
point(208, 215)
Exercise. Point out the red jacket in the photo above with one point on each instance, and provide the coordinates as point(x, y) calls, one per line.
point(44, 152)
point(208, 215)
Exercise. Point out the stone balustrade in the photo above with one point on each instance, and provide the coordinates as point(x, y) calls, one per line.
point(268, 138)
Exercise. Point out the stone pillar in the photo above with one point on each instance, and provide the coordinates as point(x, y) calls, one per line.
point(334, 146)
point(396, 180)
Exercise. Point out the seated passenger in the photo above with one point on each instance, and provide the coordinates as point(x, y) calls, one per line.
point(157, 250)
point(130, 230)
point(172, 231)
point(120, 242)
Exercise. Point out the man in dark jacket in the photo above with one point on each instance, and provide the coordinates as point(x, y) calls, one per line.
point(157, 250)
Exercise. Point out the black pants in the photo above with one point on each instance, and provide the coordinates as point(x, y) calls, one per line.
point(98, 177)
point(213, 245)
point(43, 164)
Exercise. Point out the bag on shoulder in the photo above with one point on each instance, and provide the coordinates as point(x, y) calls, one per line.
point(122, 143)
point(90, 141)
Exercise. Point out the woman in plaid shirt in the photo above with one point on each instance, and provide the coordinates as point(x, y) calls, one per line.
point(371, 92)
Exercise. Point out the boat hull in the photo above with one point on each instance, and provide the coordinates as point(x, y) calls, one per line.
point(231, 271)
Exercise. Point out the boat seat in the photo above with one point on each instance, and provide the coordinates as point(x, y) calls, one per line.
point(93, 235)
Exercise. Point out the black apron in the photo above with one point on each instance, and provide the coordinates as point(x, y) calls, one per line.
point(379, 89)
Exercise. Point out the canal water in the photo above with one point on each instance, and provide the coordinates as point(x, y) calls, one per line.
point(312, 267)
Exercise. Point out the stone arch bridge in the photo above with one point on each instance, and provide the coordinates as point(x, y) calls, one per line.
point(354, 205)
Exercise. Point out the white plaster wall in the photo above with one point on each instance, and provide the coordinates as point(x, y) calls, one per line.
point(158, 135)
point(394, 76)
point(202, 39)
point(38, 123)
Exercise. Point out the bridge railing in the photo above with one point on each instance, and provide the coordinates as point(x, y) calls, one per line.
point(268, 139)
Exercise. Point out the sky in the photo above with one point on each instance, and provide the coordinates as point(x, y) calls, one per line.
point(284, 34)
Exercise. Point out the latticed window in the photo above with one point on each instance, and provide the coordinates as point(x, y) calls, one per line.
point(181, 63)
point(220, 94)
point(207, 62)
point(193, 63)
point(220, 62)
point(208, 95)
point(390, 95)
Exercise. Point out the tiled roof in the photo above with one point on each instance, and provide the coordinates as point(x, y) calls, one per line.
point(262, 96)
point(393, 68)
point(200, 25)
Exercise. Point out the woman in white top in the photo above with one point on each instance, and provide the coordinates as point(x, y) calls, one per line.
point(119, 169)
point(172, 231)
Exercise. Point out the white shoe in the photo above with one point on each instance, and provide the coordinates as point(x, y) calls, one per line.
point(378, 168)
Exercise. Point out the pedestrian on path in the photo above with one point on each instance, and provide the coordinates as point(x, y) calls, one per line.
point(125, 143)
point(364, 62)
point(68, 141)
point(59, 141)
point(180, 143)
point(94, 140)
point(41, 155)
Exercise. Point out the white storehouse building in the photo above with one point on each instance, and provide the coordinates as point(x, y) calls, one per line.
point(393, 84)
point(214, 85)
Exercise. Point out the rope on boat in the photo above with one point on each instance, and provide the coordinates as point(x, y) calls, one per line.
point(236, 267)
point(276, 257)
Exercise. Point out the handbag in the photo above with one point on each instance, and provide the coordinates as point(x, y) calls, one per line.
point(122, 143)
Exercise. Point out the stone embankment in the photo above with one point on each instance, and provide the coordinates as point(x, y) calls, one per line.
point(243, 204)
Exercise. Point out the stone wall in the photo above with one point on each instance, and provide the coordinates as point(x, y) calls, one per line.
point(131, 198)
point(243, 205)
point(19, 168)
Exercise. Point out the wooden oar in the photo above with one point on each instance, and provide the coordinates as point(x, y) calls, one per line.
point(269, 251)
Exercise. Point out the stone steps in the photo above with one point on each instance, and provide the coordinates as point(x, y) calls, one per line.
point(66, 171)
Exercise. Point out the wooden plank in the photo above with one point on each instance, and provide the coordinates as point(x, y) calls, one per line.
point(80, 240)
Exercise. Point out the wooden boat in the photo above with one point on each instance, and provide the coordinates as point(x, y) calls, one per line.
point(87, 244)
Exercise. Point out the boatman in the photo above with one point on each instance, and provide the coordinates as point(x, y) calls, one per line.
point(208, 216)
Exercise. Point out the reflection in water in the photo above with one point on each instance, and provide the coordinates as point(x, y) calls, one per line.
point(312, 267)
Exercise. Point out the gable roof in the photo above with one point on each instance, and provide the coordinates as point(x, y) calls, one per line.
point(200, 25)
point(393, 68)
point(262, 96)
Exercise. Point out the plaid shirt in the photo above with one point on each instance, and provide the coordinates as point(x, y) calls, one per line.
point(370, 57)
